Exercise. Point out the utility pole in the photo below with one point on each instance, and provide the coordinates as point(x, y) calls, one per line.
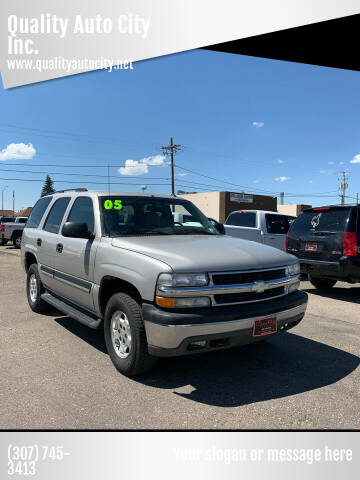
point(282, 198)
point(343, 178)
point(2, 197)
point(172, 149)
point(13, 203)
point(357, 198)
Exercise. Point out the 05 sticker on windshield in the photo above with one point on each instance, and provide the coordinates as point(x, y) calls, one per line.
point(113, 205)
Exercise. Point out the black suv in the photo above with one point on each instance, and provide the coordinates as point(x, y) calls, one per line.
point(327, 242)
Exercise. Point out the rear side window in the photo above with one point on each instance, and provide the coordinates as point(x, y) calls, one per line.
point(22, 220)
point(242, 219)
point(83, 211)
point(56, 214)
point(278, 224)
point(38, 212)
point(324, 221)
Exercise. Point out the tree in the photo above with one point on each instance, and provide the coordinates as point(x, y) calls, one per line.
point(48, 187)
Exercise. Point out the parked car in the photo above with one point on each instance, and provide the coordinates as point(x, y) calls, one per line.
point(4, 220)
point(159, 287)
point(327, 242)
point(260, 226)
point(13, 231)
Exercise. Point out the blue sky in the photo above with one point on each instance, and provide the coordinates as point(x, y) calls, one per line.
point(262, 125)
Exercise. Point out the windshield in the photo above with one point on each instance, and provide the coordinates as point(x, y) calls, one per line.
point(130, 215)
point(242, 219)
point(318, 222)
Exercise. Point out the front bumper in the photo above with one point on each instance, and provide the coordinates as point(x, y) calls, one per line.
point(172, 333)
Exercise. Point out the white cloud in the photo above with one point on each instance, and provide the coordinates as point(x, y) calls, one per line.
point(133, 167)
point(341, 163)
point(157, 160)
point(281, 179)
point(256, 181)
point(280, 161)
point(181, 174)
point(331, 163)
point(356, 159)
point(310, 181)
point(327, 172)
point(141, 167)
point(258, 124)
point(18, 151)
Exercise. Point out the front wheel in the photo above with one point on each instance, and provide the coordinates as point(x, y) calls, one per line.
point(34, 290)
point(322, 283)
point(125, 336)
point(17, 240)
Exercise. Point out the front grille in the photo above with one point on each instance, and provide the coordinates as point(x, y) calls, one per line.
point(247, 277)
point(248, 296)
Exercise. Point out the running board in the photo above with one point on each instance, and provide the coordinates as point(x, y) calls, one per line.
point(85, 319)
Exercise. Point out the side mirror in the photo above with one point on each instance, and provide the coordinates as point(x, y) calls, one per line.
point(219, 226)
point(76, 230)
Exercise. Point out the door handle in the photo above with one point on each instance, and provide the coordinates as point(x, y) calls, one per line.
point(38, 242)
point(59, 247)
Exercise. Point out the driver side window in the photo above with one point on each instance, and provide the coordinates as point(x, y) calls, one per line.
point(83, 211)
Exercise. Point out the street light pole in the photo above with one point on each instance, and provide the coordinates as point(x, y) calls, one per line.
point(2, 197)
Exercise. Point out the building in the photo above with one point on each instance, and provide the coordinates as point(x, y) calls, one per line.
point(6, 213)
point(219, 205)
point(24, 213)
point(293, 209)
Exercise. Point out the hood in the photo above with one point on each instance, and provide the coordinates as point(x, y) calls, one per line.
point(200, 253)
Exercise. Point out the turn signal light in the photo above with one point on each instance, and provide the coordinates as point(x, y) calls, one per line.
point(350, 244)
point(2, 228)
point(165, 302)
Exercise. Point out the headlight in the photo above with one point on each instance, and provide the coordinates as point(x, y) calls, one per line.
point(182, 280)
point(293, 269)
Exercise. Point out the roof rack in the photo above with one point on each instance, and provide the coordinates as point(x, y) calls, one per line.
point(69, 190)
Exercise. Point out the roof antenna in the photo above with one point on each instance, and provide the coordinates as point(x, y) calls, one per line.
point(108, 175)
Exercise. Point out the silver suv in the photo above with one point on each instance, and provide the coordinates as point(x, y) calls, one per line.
point(160, 286)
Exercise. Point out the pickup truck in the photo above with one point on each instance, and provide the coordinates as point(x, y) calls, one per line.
point(260, 226)
point(157, 286)
point(12, 231)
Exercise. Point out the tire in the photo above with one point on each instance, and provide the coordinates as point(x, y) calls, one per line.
point(322, 283)
point(130, 356)
point(17, 240)
point(34, 290)
point(3, 242)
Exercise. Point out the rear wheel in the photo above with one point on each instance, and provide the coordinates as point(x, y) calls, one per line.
point(3, 242)
point(322, 283)
point(125, 336)
point(17, 240)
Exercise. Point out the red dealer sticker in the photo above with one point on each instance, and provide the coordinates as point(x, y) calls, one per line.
point(264, 326)
point(311, 247)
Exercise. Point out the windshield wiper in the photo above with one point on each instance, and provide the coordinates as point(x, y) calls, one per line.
point(142, 231)
point(192, 231)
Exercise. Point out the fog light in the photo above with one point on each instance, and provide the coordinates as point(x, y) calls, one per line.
point(197, 345)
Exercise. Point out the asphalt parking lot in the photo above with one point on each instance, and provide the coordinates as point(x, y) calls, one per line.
point(56, 374)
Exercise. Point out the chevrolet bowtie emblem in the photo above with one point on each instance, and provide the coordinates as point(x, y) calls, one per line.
point(258, 286)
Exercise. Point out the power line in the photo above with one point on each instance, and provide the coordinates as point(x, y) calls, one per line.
point(73, 136)
point(74, 174)
point(90, 183)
